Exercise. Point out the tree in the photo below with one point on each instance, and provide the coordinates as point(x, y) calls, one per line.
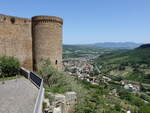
point(9, 66)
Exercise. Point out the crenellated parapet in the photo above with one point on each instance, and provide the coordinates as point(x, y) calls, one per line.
point(13, 20)
point(47, 19)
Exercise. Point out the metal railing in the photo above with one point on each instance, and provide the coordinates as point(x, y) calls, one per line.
point(35, 79)
point(38, 82)
point(25, 73)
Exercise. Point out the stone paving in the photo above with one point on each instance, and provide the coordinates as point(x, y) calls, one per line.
point(17, 96)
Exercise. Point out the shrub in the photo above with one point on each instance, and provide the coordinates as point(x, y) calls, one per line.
point(125, 94)
point(117, 107)
point(144, 108)
point(9, 66)
point(44, 106)
point(145, 97)
point(50, 75)
point(58, 82)
point(136, 101)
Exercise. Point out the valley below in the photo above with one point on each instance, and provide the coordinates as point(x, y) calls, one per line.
point(117, 80)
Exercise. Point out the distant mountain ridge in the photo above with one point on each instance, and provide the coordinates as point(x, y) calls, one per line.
point(124, 45)
point(121, 45)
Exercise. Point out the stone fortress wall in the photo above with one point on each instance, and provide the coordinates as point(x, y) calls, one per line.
point(16, 39)
point(30, 40)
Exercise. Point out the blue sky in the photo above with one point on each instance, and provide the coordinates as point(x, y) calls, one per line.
point(89, 21)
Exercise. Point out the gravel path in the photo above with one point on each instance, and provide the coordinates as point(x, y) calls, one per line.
point(17, 96)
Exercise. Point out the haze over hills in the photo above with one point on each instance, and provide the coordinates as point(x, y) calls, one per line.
point(126, 45)
point(120, 45)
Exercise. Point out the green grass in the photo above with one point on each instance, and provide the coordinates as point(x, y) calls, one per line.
point(131, 56)
point(76, 51)
point(95, 98)
point(131, 64)
point(99, 100)
point(9, 78)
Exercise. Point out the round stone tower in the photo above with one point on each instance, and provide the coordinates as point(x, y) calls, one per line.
point(47, 40)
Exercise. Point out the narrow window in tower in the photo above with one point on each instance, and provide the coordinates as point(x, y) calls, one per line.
point(12, 20)
point(4, 18)
point(56, 62)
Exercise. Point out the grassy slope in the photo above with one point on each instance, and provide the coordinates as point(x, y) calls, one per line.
point(132, 64)
point(9, 78)
point(138, 55)
point(75, 51)
point(96, 98)
point(91, 98)
point(101, 99)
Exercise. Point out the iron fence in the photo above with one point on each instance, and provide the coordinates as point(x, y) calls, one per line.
point(35, 79)
point(24, 72)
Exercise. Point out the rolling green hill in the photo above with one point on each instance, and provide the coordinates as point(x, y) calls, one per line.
point(131, 64)
point(86, 51)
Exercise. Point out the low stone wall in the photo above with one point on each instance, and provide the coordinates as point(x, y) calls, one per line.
point(61, 103)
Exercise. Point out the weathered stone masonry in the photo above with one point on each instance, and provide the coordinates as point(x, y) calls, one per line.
point(30, 40)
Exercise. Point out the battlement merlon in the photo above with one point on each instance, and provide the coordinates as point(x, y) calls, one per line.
point(14, 20)
point(46, 19)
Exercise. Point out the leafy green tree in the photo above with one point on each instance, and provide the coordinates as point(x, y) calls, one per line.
point(9, 66)
point(48, 72)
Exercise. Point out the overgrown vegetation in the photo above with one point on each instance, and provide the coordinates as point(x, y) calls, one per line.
point(103, 98)
point(92, 98)
point(58, 82)
point(9, 66)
